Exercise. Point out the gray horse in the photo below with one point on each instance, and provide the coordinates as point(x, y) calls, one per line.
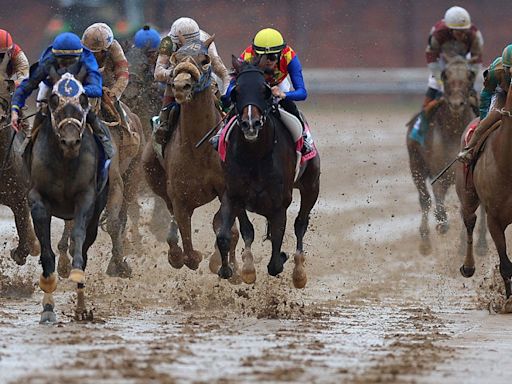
point(64, 165)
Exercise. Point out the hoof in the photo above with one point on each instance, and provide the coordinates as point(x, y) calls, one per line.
point(273, 269)
point(77, 276)
point(48, 284)
point(64, 267)
point(225, 272)
point(48, 316)
point(215, 261)
point(442, 228)
point(19, 256)
point(84, 315)
point(467, 271)
point(118, 269)
point(175, 257)
point(193, 260)
point(248, 270)
point(299, 272)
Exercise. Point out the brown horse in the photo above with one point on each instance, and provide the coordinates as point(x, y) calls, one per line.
point(491, 186)
point(188, 177)
point(124, 177)
point(15, 185)
point(441, 145)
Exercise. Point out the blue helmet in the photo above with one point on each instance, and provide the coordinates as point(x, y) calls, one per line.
point(67, 44)
point(147, 38)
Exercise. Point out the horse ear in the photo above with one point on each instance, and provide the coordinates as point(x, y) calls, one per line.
point(84, 101)
point(54, 101)
point(237, 65)
point(182, 39)
point(209, 40)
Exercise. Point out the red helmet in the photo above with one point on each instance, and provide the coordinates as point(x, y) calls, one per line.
point(5, 41)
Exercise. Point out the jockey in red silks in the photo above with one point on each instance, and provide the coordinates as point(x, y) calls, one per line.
point(17, 66)
point(281, 62)
point(453, 35)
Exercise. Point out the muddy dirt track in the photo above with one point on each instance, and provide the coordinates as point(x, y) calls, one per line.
point(374, 309)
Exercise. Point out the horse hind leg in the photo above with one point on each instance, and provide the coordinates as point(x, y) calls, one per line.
point(277, 228)
point(468, 266)
point(247, 229)
point(440, 189)
point(28, 243)
point(64, 266)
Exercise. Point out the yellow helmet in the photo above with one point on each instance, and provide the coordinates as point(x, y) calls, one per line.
point(268, 40)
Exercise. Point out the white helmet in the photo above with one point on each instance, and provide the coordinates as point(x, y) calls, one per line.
point(457, 18)
point(187, 27)
point(98, 37)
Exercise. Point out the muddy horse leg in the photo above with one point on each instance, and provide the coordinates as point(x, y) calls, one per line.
point(191, 257)
point(27, 239)
point(440, 189)
point(497, 231)
point(481, 245)
point(226, 217)
point(64, 267)
point(117, 267)
point(419, 176)
point(309, 189)
point(247, 231)
point(469, 217)
point(277, 228)
point(48, 280)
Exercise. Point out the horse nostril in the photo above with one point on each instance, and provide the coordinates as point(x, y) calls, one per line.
point(77, 141)
point(187, 87)
point(63, 142)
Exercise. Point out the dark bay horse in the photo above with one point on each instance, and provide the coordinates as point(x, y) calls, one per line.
point(260, 175)
point(188, 177)
point(441, 146)
point(64, 165)
point(14, 186)
point(490, 186)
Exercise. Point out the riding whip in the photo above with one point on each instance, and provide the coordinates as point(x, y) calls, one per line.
point(443, 171)
point(205, 137)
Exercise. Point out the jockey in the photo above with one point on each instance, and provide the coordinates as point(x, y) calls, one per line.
point(454, 35)
point(66, 54)
point(281, 61)
point(496, 84)
point(189, 29)
point(99, 39)
point(17, 67)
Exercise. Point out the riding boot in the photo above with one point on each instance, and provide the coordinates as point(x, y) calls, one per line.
point(161, 130)
point(102, 132)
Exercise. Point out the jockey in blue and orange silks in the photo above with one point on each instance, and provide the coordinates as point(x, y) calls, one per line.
point(66, 54)
point(281, 61)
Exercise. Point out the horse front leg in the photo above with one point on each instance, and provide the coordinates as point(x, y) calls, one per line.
point(190, 257)
point(440, 189)
point(469, 217)
point(247, 231)
point(226, 217)
point(48, 280)
point(27, 239)
point(117, 267)
point(498, 235)
point(419, 176)
point(277, 228)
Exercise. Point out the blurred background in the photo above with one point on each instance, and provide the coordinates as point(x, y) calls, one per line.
point(345, 46)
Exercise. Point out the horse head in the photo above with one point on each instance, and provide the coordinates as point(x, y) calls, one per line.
point(192, 69)
point(458, 82)
point(252, 97)
point(68, 109)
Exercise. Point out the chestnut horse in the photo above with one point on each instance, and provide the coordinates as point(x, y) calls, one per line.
point(490, 186)
point(441, 146)
point(260, 175)
point(188, 177)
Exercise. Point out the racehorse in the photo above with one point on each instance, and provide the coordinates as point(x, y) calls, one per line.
point(188, 177)
point(14, 186)
point(441, 145)
point(67, 180)
point(490, 186)
point(260, 174)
